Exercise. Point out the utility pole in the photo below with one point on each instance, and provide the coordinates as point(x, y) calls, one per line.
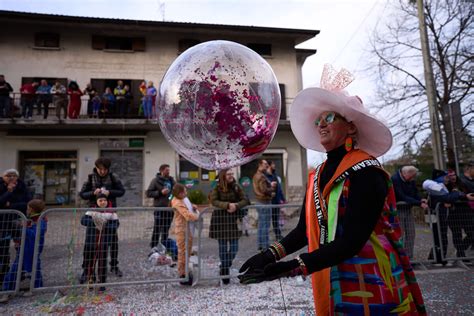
point(438, 157)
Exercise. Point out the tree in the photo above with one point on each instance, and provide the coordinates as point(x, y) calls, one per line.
point(401, 92)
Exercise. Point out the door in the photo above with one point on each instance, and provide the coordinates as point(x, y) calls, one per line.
point(128, 166)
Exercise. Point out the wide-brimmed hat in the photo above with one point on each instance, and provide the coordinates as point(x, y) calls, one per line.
point(373, 136)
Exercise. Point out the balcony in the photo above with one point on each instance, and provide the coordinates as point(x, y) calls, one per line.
point(131, 122)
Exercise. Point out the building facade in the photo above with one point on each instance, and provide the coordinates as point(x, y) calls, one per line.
point(54, 156)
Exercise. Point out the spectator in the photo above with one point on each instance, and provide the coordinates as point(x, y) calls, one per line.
point(125, 104)
point(460, 216)
point(105, 182)
point(100, 224)
point(468, 177)
point(5, 89)
point(44, 98)
point(264, 192)
point(279, 198)
point(407, 196)
point(440, 200)
point(91, 92)
point(119, 93)
point(75, 94)
point(150, 98)
point(183, 215)
point(96, 104)
point(229, 198)
point(160, 189)
point(108, 100)
point(34, 209)
point(28, 91)
point(13, 195)
point(59, 93)
point(142, 90)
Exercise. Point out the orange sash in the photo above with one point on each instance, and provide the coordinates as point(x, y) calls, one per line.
point(321, 279)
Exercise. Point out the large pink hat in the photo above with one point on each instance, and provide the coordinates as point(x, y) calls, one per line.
point(373, 136)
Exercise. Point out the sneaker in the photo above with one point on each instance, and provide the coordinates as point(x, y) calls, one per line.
point(116, 271)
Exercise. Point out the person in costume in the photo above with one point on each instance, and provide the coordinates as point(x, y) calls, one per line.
point(349, 219)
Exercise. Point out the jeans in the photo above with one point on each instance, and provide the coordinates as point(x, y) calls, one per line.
point(4, 105)
point(440, 240)
point(161, 227)
point(227, 251)
point(264, 219)
point(148, 107)
point(27, 107)
point(407, 223)
point(276, 223)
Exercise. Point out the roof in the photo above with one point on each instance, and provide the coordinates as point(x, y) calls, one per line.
point(300, 35)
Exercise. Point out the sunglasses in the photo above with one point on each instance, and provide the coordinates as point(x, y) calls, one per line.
point(329, 118)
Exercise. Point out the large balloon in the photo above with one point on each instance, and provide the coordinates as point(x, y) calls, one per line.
point(219, 104)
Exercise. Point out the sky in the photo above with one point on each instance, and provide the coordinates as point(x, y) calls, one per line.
point(345, 27)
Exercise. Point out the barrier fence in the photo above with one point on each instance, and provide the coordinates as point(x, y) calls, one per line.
point(79, 247)
point(13, 225)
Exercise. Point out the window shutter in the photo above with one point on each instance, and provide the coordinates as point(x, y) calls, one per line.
point(283, 102)
point(98, 42)
point(139, 44)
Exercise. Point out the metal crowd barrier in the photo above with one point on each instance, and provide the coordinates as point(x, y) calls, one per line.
point(13, 225)
point(416, 233)
point(217, 252)
point(74, 244)
point(78, 250)
point(459, 218)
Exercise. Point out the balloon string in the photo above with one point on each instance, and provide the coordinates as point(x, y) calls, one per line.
point(283, 297)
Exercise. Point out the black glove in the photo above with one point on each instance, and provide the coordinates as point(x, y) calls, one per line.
point(258, 262)
point(272, 272)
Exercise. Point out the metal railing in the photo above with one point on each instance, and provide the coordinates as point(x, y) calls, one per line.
point(75, 244)
point(13, 225)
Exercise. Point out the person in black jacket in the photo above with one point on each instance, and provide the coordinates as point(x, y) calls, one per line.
point(14, 195)
point(5, 89)
point(160, 190)
point(407, 196)
point(102, 181)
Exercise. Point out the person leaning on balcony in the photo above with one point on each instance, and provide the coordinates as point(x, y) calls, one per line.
point(108, 101)
point(348, 219)
point(75, 94)
point(59, 93)
point(119, 93)
point(103, 181)
point(229, 198)
point(90, 91)
point(44, 97)
point(5, 89)
point(28, 91)
point(407, 196)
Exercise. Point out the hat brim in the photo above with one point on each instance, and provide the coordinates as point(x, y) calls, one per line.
point(373, 136)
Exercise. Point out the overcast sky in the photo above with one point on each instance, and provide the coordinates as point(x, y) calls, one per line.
point(345, 25)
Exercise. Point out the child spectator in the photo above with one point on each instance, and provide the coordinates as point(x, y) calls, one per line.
point(99, 223)
point(96, 102)
point(34, 209)
point(183, 215)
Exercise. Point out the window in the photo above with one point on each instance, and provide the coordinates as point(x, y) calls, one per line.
point(189, 171)
point(262, 49)
point(47, 40)
point(115, 43)
point(186, 43)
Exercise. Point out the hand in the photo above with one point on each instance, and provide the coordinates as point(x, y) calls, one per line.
point(232, 208)
point(274, 184)
point(97, 191)
point(165, 191)
point(424, 205)
point(447, 205)
point(273, 271)
point(106, 192)
point(257, 262)
point(11, 186)
point(470, 196)
point(424, 201)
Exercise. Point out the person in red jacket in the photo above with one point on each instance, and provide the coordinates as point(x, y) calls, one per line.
point(74, 100)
